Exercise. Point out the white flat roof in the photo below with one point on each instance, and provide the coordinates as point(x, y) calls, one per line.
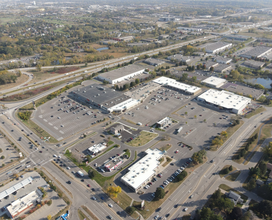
point(22, 203)
point(214, 81)
point(225, 99)
point(143, 169)
point(16, 187)
point(173, 83)
point(97, 147)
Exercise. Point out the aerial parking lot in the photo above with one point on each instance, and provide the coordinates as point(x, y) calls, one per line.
point(62, 117)
point(197, 119)
point(159, 104)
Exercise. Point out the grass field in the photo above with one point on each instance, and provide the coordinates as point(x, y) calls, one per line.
point(222, 174)
point(38, 130)
point(233, 175)
point(142, 139)
point(20, 80)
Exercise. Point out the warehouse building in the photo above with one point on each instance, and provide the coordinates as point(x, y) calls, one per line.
point(179, 58)
point(222, 68)
point(224, 100)
point(236, 37)
point(216, 47)
point(214, 82)
point(257, 52)
point(121, 74)
point(97, 148)
point(140, 173)
point(223, 60)
point(254, 64)
point(104, 98)
point(22, 204)
point(177, 86)
point(154, 62)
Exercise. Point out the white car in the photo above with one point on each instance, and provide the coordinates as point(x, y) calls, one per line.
point(110, 205)
point(68, 168)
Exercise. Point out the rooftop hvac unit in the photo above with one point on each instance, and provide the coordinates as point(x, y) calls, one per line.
point(84, 91)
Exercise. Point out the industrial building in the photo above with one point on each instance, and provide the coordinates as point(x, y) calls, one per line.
point(223, 60)
point(214, 82)
point(140, 173)
point(189, 29)
point(224, 100)
point(121, 74)
point(209, 64)
point(154, 62)
point(177, 86)
point(257, 52)
point(23, 203)
point(179, 58)
point(222, 68)
point(97, 148)
point(99, 96)
point(216, 47)
point(236, 37)
point(254, 64)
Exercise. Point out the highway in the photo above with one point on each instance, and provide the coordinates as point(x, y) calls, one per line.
point(202, 182)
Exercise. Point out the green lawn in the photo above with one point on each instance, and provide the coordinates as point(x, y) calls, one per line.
point(142, 139)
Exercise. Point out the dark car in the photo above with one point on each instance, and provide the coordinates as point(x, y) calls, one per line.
point(93, 189)
point(158, 209)
point(69, 182)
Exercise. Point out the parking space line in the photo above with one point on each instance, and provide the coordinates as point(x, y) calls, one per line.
point(61, 132)
point(56, 128)
point(50, 124)
point(45, 120)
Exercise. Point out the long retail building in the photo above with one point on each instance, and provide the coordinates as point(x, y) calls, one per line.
point(143, 171)
point(224, 100)
point(178, 86)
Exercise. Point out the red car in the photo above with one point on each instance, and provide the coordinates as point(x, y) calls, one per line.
point(176, 151)
point(88, 185)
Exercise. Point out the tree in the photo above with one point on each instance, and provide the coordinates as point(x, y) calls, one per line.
point(49, 217)
point(234, 74)
point(230, 168)
point(217, 141)
point(212, 69)
point(263, 167)
point(160, 193)
point(184, 77)
point(39, 68)
point(224, 134)
point(137, 81)
point(130, 210)
point(251, 184)
point(195, 116)
point(186, 113)
point(114, 191)
point(217, 194)
point(91, 174)
point(204, 120)
point(236, 213)
point(264, 208)
point(181, 176)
